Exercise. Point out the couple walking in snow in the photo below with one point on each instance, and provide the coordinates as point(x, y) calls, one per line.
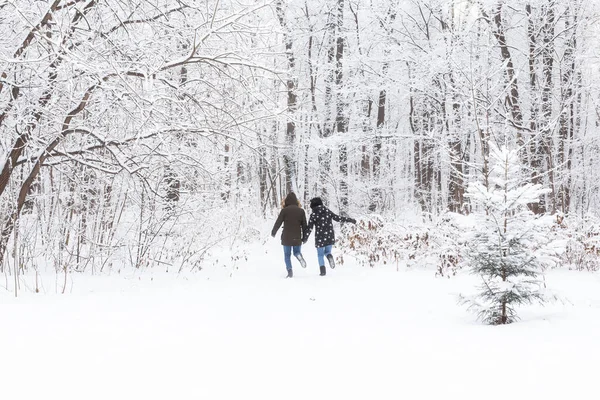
point(296, 231)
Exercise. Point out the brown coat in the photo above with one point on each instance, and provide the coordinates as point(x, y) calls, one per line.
point(293, 219)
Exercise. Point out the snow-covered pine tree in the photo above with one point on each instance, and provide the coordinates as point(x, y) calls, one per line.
point(502, 242)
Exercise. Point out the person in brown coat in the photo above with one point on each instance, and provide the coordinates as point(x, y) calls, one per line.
point(293, 219)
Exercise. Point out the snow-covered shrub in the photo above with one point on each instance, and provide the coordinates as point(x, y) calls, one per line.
point(581, 243)
point(371, 241)
point(447, 245)
point(375, 241)
point(128, 225)
point(504, 240)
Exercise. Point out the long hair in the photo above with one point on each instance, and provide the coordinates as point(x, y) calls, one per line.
point(283, 203)
point(290, 198)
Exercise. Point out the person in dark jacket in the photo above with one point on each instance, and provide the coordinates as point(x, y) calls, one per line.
point(293, 219)
point(321, 218)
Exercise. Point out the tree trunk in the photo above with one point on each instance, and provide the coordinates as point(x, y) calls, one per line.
point(289, 159)
point(456, 187)
point(545, 145)
point(567, 116)
point(341, 119)
point(10, 222)
point(23, 139)
point(512, 97)
point(329, 123)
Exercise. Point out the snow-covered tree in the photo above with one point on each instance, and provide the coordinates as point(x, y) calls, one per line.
point(108, 106)
point(504, 238)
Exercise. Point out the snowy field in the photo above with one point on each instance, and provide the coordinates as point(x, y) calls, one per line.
point(358, 333)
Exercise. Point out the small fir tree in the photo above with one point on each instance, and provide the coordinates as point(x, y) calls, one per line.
point(503, 238)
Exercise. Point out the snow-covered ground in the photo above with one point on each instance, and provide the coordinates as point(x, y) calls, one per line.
point(248, 333)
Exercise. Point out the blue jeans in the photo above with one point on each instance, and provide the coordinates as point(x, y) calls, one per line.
point(322, 252)
point(287, 253)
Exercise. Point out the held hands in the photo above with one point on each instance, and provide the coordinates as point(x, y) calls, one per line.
point(305, 238)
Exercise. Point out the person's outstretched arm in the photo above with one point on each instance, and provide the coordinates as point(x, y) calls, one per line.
point(337, 218)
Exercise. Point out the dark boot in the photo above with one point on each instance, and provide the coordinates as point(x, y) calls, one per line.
point(290, 274)
point(331, 261)
point(323, 270)
point(301, 259)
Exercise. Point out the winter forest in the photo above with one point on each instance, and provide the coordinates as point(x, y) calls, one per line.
point(154, 141)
